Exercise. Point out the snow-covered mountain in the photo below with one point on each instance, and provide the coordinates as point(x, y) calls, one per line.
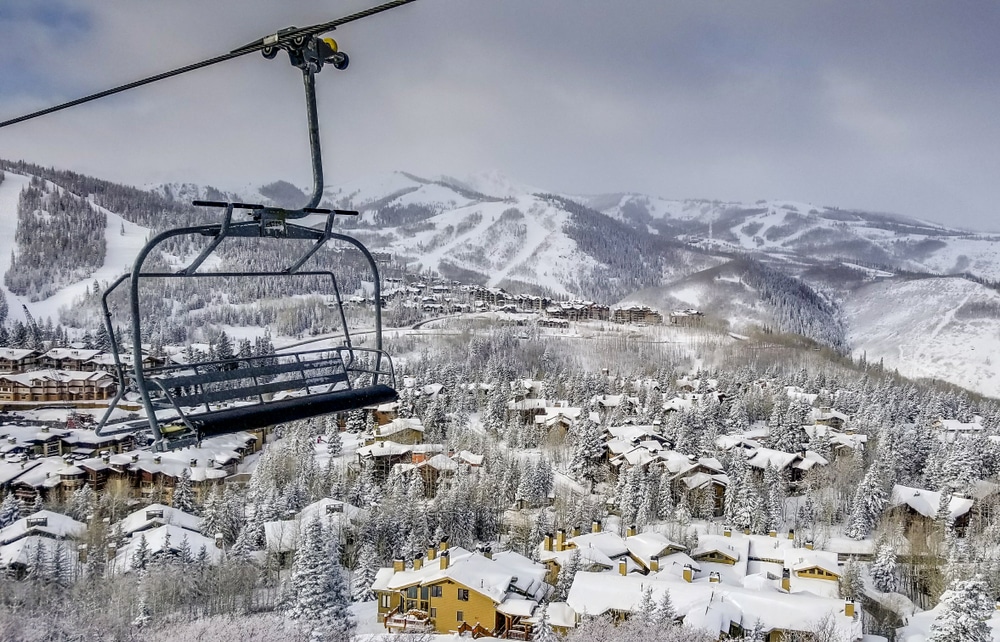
point(863, 282)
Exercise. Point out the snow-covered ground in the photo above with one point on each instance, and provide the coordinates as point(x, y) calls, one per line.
point(122, 248)
point(945, 328)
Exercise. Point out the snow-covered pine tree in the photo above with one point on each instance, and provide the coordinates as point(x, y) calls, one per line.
point(589, 459)
point(81, 503)
point(883, 568)
point(852, 586)
point(317, 589)
point(869, 502)
point(566, 576)
point(542, 630)
point(10, 510)
point(183, 497)
point(965, 609)
point(367, 566)
point(140, 556)
point(666, 614)
point(646, 610)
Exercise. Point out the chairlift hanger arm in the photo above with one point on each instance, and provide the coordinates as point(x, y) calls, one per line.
point(289, 39)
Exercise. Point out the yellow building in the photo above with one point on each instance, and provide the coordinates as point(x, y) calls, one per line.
point(452, 589)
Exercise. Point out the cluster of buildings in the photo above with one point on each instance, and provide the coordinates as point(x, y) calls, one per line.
point(72, 375)
point(729, 584)
point(62, 461)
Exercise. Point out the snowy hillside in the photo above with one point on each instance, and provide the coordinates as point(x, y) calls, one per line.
point(846, 279)
point(122, 241)
point(947, 328)
point(779, 228)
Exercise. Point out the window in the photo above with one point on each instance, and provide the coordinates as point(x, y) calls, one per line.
point(423, 592)
point(384, 601)
point(463, 594)
point(434, 612)
point(435, 591)
point(460, 616)
point(411, 592)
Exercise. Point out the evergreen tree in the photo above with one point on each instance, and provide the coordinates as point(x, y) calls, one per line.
point(869, 502)
point(140, 556)
point(81, 503)
point(542, 630)
point(883, 568)
point(665, 614)
point(966, 609)
point(589, 455)
point(10, 510)
point(317, 590)
point(367, 566)
point(566, 576)
point(852, 585)
point(183, 497)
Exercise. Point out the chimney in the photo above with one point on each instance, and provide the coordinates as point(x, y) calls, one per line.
point(398, 565)
point(219, 540)
point(772, 533)
point(561, 539)
point(791, 533)
point(135, 458)
point(81, 553)
point(157, 459)
point(576, 531)
point(444, 543)
point(688, 573)
point(193, 463)
point(445, 556)
point(714, 577)
point(786, 580)
point(849, 608)
point(630, 532)
point(596, 526)
point(746, 530)
point(431, 552)
point(418, 563)
point(654, 563)
point(809, 544)
point(727, 532)
point(488, 552)
point(623, 567)
point(548, 542)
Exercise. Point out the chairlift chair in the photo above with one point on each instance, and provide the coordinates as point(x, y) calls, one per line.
point(187, 402)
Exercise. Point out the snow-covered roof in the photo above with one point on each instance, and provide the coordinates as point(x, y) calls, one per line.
point(440, 462)
point(645, 545)
point(610, 544)
point(43, 522)
point(16, 354)
point(926, 502)
point(99, 378)
point(39, 473)
point(157, 515)
point(517, 607)
point(468, 457)
point(477, 573)
point(716, 605)
point(385, 448)
point(157, 540)
point(22, 551)
point(800, 559)
point(281, 536)
point(399, 425)
point(589, 556)
point(71, 353)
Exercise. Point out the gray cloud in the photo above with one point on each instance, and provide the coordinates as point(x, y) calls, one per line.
point(885, 105)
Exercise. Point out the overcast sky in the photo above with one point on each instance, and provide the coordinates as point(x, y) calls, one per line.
point(889, 105)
